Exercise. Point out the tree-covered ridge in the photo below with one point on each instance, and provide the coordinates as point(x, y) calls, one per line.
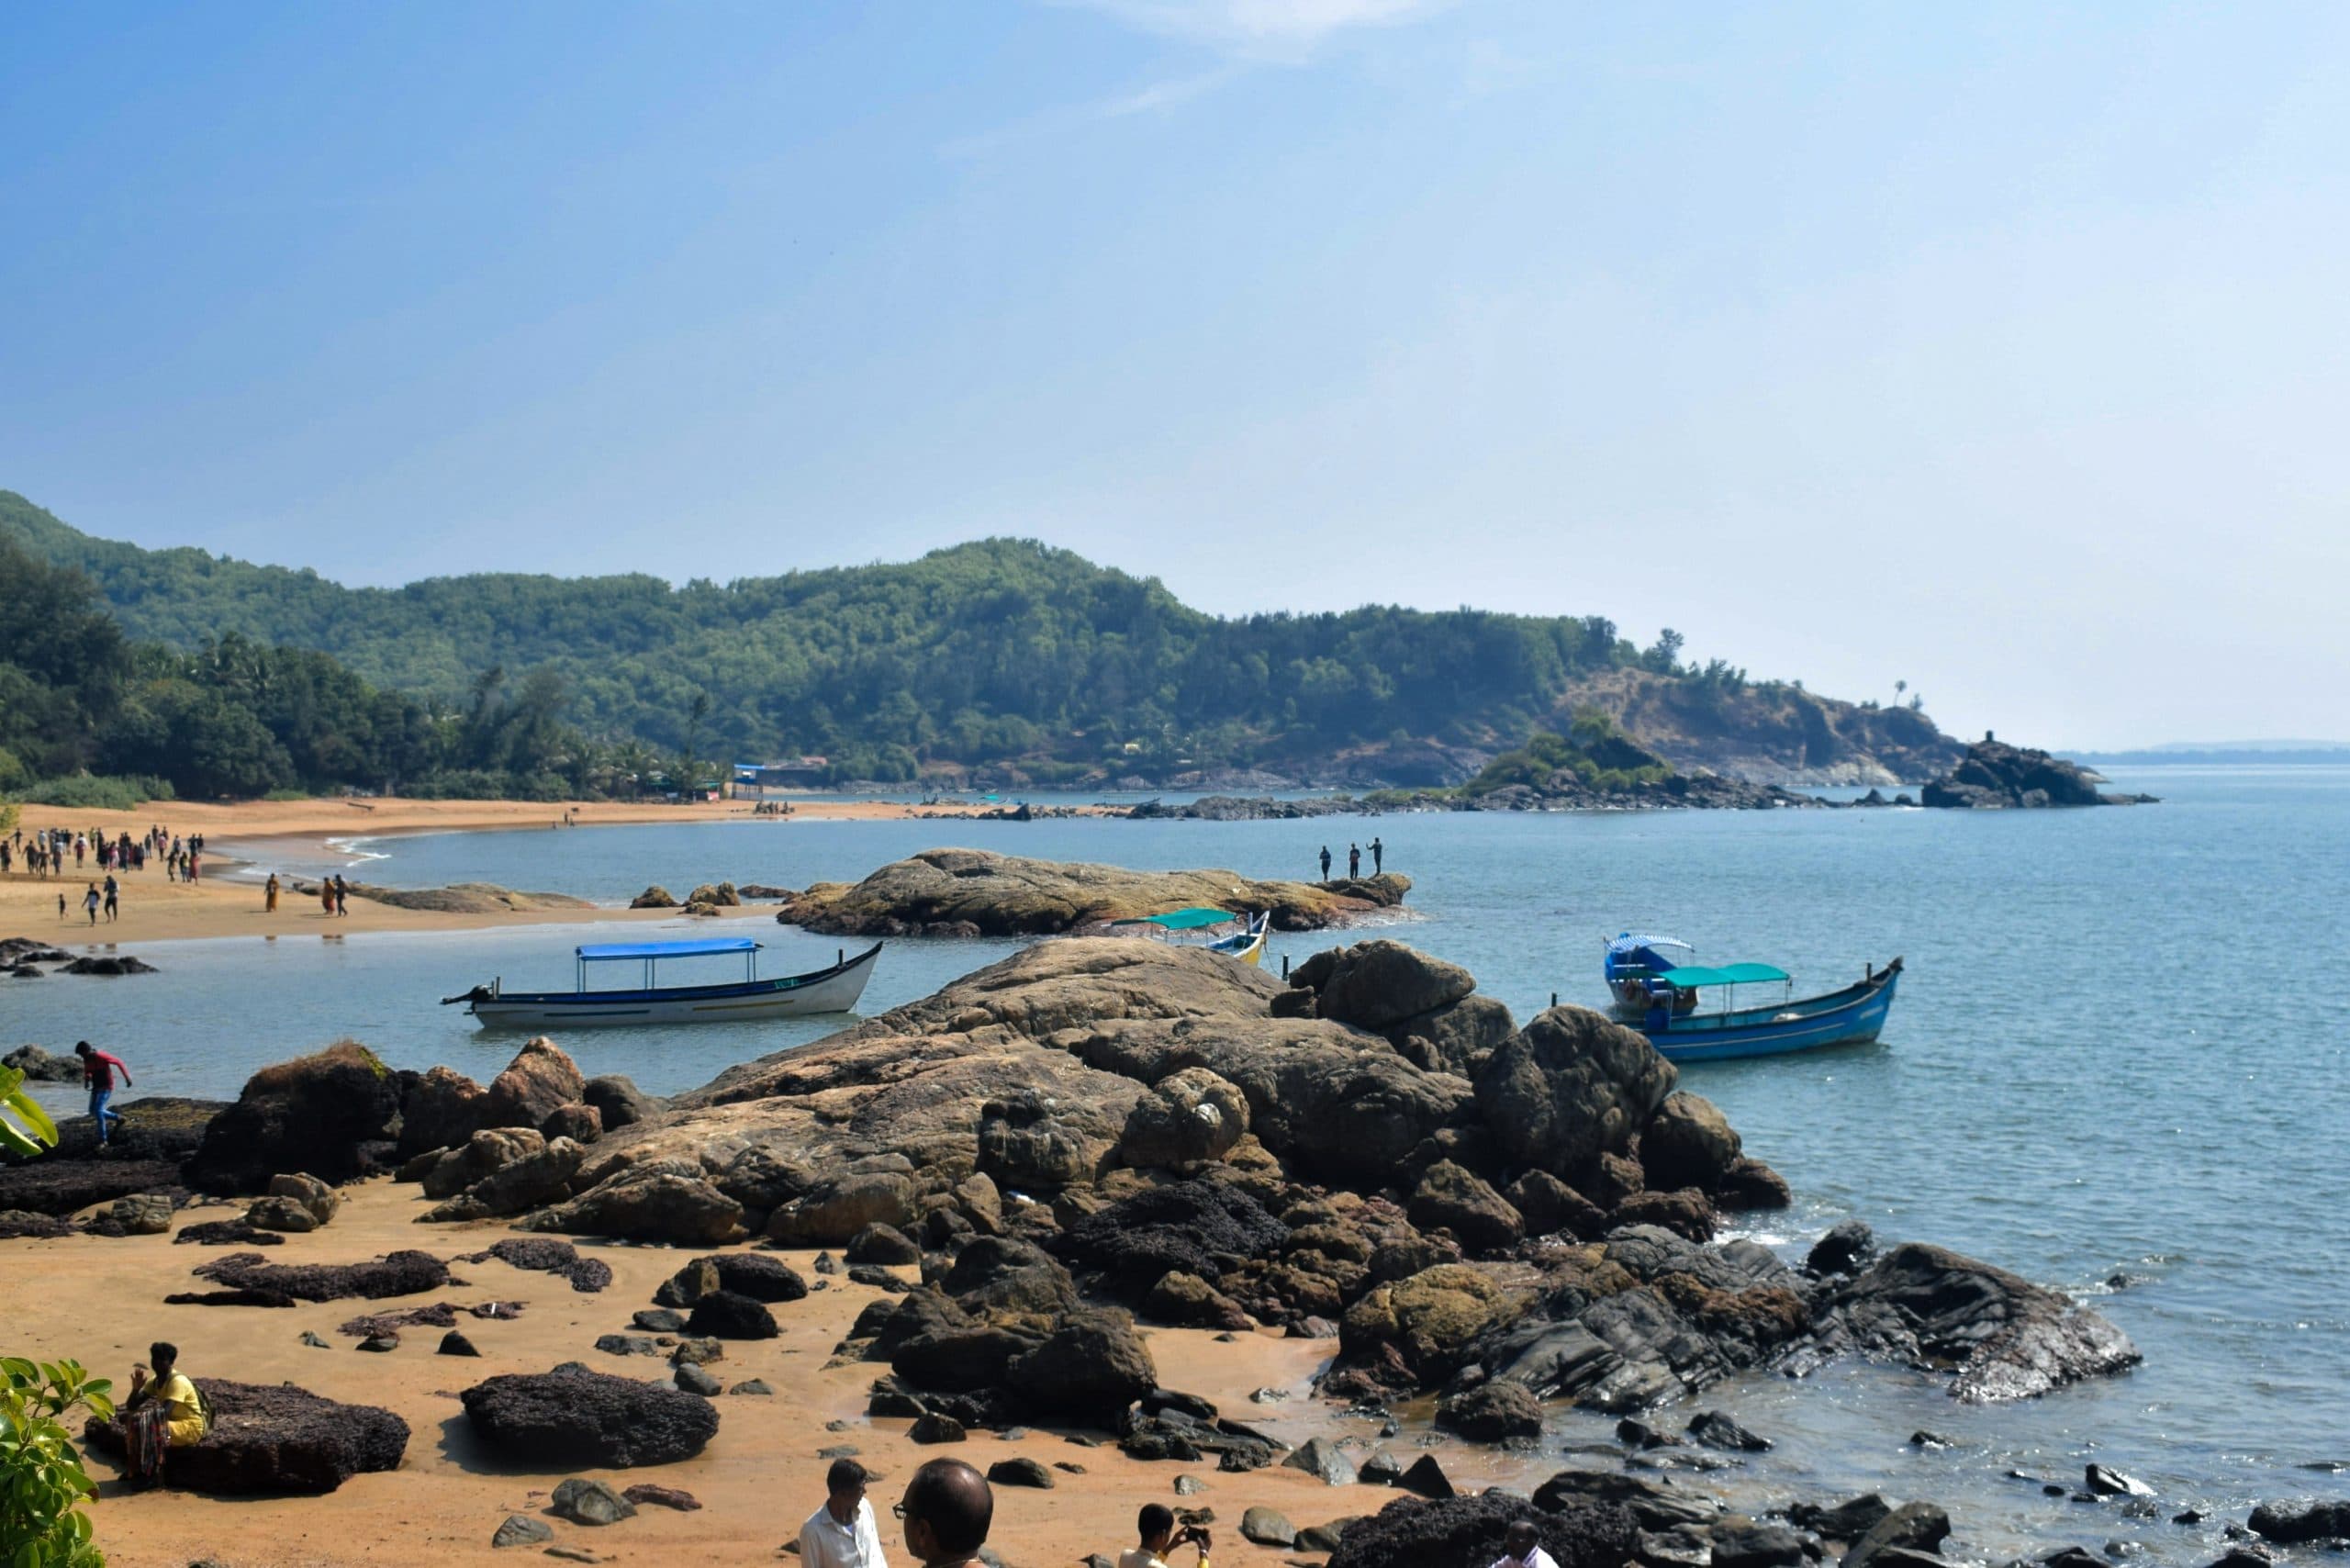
point(1002, 654)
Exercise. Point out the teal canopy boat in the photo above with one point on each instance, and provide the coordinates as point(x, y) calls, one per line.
point(1657, 987)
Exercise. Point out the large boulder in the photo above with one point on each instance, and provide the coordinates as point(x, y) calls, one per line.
point(540, 1080)
point(1570, 1087)
point(1466, 1531)
point(1457, 1037)
point(1451, 1197)
point(541, 1177)
point(619, 1101)
point(572, 1416)
point(440, 1108)
point(2003, 1336)
point(1377, 984)
point(641, 1203)
point(1429, 1320)
point(1092, 1368)
point(39, 1067)
point(2298, 1523)
point(269, 1439)
point(1688, 1143)
point(1196, 1227)
point(480, 1157)
point(1187, 1118)
point(837, 1208)
point(334, 1114)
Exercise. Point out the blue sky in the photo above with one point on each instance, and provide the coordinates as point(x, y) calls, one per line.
point(1997, 348)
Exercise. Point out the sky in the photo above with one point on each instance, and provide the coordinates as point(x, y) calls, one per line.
point(1999, 349)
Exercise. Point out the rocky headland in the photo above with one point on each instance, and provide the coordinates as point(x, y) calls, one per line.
point(1996, 776)
point(973, 892)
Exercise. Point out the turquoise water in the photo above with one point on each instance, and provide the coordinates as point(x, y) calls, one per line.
point(2095, 1069)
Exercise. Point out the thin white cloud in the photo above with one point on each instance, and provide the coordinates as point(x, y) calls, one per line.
point(1259, 25)
point(1149, 99)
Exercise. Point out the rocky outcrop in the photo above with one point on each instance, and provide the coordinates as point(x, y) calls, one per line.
point(575, 1416)
point(272, 1439)
point(39, 1067)
point(1996, 775)
point(540, 1080)
point(395, 1274)
point(463, 898)
point(1471, 1531)
point(2002, 1336)
point(335, 1114)
point(977, 893)
point(1570, 1087)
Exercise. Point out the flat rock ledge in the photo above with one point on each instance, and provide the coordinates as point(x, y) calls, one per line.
point(973, 893)
point(269, 1439)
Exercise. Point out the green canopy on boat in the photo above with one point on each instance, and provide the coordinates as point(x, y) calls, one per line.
point(1690, 976)
point(1181, 919)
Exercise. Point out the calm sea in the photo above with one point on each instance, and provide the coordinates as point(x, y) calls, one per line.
point(2116, 1067)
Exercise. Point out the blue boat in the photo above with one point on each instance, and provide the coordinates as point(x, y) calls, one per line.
point(1657, 989)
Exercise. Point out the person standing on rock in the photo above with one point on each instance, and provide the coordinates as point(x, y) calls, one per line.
point(1378, 857)
point(947, 1509)
point(1155, 1526)
point(98, 1069)
point(1522, 1548)
point(841, 1533)
point(1354, 862)
point(1326, 862)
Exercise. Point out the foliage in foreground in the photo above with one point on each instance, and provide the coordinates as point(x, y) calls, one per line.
point(43, 1487)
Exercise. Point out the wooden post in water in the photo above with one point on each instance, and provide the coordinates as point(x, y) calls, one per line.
point(1554, 999)
point(1284, 965)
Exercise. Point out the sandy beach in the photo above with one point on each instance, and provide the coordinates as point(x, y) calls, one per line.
point(757, 1480)
point(156, 909)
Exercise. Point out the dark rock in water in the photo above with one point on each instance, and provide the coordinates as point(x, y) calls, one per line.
point(2007, 1338)
point(2074, 1557)
point(1688, 1143)
point(1426, 1478)
point(586, 1502)
point(1653, 1504)
point(1020, 1473)
point(228, 1232)
point(1848, 1520)
point(266, 1439)
point(732, 1317)
point(1470, 1531)
point(2294, 1523)
point(39, 1067)
point(2243, 1557)
point(1751, 1184)
point(520, 1529)
point(455, 1343)
point(395, 1274)
point(1268, 1528)
point(644, 1494)
point(1686, 1212)
point(1492, 1412)
point(1570, 1087)
point(334, 1114)
point(1640, 1435)
point(1913, 1526)
point(1996, 775)
point(1321, 1457)
point(2108, 1482)
point(573, 1416)
point(883, 1244)
point(1743, 1543)
point(109, 964)
point(1716, 1431)
point(1923, 1439)
point(933, 1427)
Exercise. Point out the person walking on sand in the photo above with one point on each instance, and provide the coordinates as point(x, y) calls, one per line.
point(841, 1533)
point(114, 893)
point(1354, 862)
point(947, 1509)
point(90, 902)
point(1378, 857)
point(342, 895)
point(269, 894)
point(1326, 862)
point(98, 1069)
point(326, 896)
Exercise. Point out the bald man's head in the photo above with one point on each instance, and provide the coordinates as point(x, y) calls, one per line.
point(948, 1506)
point(1520, 1539)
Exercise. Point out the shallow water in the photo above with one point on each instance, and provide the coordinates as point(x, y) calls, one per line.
point(2094, 1070)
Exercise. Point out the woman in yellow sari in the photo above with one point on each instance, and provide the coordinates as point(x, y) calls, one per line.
point(176, 1417)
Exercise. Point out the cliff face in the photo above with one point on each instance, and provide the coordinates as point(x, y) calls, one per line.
point(1767, 733)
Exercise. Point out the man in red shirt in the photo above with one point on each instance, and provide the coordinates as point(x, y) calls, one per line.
point(98, 1069)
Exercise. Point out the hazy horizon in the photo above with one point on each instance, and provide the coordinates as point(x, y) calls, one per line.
point(1994, 351)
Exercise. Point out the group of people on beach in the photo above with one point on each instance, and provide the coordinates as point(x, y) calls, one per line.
point(1354, 860)
point(334, 895)
point(43, 852)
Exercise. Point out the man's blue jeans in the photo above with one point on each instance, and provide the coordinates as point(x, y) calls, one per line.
point(100, 1113)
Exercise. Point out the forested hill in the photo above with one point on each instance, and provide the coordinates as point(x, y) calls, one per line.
point(1005, 656)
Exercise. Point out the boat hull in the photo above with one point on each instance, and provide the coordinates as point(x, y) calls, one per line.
point(1853, 1016)
point(835, 990)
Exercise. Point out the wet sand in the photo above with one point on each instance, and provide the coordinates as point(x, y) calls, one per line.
point(153, 908)
point(757, 1481)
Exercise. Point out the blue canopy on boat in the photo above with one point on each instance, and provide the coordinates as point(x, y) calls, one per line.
point(1181, 919)
point(1687, 977)
point(595, 951)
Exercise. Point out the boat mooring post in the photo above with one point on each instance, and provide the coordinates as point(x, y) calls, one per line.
point(1284, 965)
point(1554, 999)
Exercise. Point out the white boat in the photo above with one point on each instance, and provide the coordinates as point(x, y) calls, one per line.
point(833, 989)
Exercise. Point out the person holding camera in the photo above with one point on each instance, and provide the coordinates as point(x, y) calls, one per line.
point(1156, 1525)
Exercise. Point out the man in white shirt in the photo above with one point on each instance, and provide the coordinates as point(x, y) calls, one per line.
point(1522, 1548)
point(841, 1533)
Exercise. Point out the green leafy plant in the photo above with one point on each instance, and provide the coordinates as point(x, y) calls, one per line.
point(25, 1128)
point(42, 1484)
